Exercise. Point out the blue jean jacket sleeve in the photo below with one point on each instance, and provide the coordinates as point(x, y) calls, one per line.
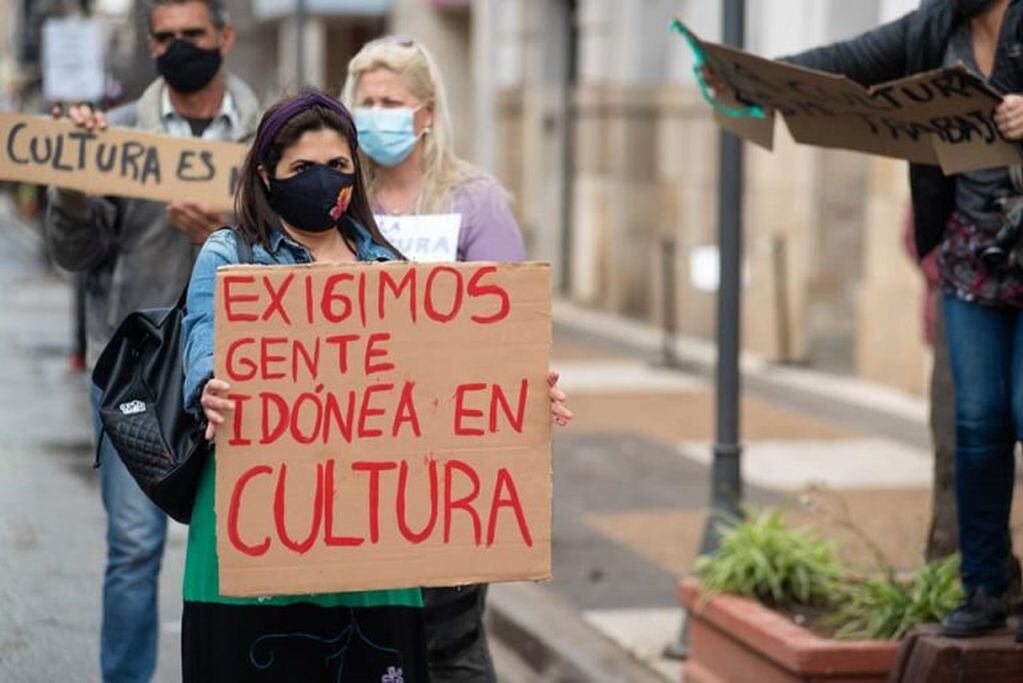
point(197, 326)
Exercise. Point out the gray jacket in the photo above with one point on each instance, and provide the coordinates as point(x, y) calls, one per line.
point(133, 258)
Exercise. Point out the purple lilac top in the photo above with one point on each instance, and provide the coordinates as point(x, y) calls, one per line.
point(489, 230)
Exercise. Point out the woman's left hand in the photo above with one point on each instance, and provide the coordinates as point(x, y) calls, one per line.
point(1009, 117)
point(559, 412)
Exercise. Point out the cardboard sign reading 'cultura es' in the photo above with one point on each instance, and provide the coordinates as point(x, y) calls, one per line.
point(391, 429)
point(943, 117)
point(119, 161)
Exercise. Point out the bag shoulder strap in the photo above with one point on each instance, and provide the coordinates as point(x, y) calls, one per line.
point(242, 246)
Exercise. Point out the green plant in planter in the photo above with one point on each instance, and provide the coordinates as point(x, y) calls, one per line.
point(888, 608)
point(763, 558)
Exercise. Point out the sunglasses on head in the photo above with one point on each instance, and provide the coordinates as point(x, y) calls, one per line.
point(403, 41)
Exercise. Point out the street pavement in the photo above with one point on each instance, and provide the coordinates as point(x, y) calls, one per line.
point(632, 475)
point(631, 484)
point(52, 522)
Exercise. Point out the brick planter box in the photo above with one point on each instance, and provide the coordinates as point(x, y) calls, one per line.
point(738, 640)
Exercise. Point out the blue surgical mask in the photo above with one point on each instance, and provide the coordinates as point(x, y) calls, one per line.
point(386, 134)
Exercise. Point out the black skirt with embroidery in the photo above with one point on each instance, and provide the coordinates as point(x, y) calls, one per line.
point(302, 642)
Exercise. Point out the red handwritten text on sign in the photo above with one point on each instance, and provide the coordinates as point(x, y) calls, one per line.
point(391, 426)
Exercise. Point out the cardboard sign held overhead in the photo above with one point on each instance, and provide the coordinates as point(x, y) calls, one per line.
point(391, 429)
point(119, 161)
point(942, 117)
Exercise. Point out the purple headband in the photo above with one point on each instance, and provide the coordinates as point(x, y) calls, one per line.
point(273, 123)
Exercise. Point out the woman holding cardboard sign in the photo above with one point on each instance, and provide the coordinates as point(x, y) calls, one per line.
point(302, 150)
point(402, 115)
point(974, 222)
point(301, 200)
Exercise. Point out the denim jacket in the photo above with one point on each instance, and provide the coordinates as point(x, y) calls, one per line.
point(220, 250)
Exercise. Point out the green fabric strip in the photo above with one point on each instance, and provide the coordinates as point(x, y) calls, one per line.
point(754, 111)
point(202, 580)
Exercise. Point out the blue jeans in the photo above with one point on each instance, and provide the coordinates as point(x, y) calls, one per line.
point(136, 530)
point(986, 352)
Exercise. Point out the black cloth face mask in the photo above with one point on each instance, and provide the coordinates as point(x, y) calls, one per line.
point(313, 200)
point(971, 9)
point(188, 68)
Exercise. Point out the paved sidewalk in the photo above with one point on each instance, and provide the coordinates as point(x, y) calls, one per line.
point(52, 529)
point(632, 474)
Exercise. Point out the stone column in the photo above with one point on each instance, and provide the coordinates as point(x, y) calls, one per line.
point(315, 53)
point(446, 34)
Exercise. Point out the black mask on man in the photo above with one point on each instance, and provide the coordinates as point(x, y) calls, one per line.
point(188, 68)
point(972, 9)
point(313, 200)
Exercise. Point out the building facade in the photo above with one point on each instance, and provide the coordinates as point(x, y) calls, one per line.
point(587, 110)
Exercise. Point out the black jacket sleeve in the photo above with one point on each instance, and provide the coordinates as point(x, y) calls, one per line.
point(81, 231)
point(877, 56)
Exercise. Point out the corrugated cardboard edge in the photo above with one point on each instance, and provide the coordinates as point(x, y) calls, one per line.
point(257, 590)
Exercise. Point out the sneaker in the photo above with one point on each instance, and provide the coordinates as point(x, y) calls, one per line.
point(976, 615)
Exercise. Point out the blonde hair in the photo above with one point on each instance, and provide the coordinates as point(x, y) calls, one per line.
point(443, 172)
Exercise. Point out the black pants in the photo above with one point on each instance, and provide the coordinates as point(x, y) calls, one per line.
point(455, 638)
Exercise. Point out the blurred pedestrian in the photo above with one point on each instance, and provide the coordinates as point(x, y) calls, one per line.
point(405, 137)
point(942, 532)
point(396, 91)
point(969, 217)
point(138, 254)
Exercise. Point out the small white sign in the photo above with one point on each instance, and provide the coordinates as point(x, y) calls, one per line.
point(424, 239)
point(705, 268)
point(72, 60)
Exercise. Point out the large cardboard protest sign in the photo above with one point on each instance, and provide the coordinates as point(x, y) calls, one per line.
point(942, 117)
point(391, 429)
point(118, 161)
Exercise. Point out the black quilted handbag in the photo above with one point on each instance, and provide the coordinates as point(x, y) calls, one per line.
point(141, 376)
